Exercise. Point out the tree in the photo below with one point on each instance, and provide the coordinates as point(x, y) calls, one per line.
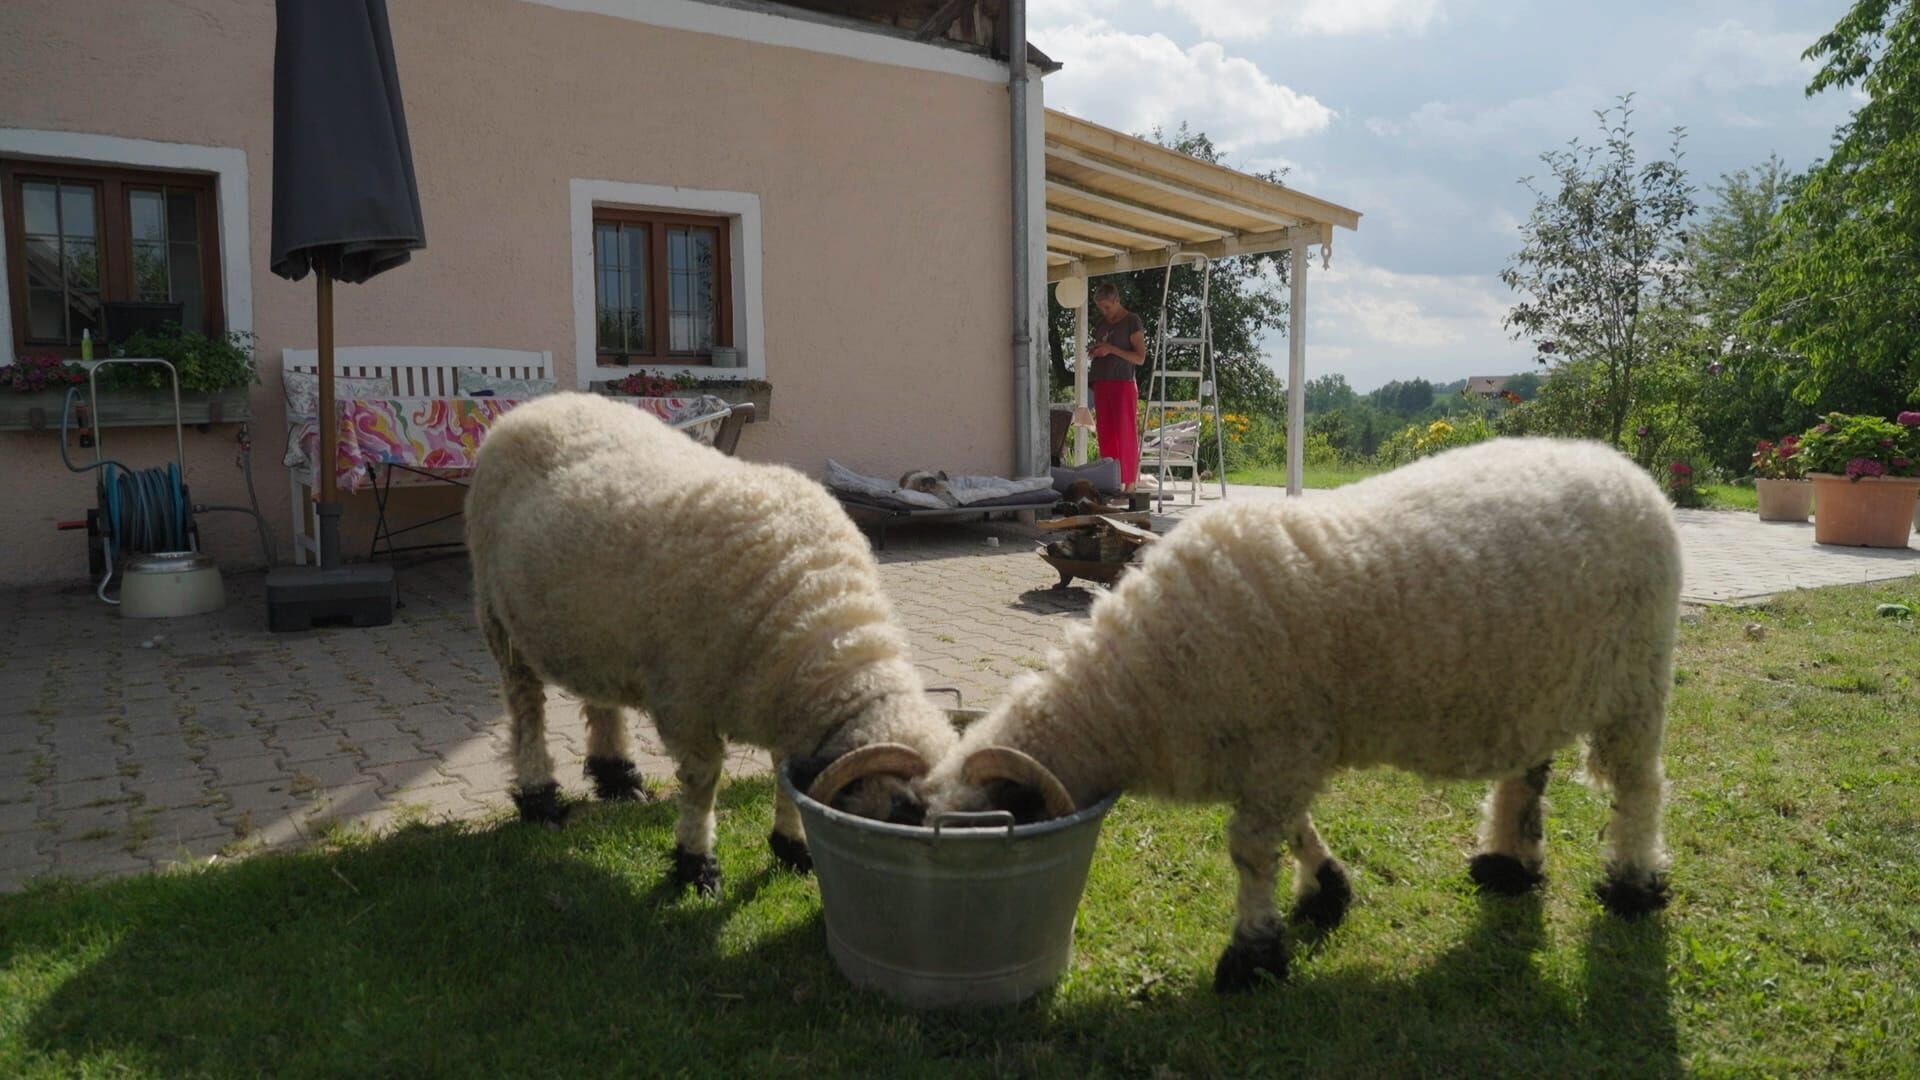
point(1328, 392)
point(1403, 399)
point(1246, 299)
point(1842, 287)
point(1597, 254)
point(1525, 386)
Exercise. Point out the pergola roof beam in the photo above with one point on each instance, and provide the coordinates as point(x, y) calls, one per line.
point(1069, 189)
point(1120, 171)
point(1260, 243)
point(1132, 232)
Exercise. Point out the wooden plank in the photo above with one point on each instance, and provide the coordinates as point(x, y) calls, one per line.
point(1115, 205)
point(1139, 237)
point(1242, 244)
point(1058, 240)
point(1175, 166)
point(1129, 532)
point(1124, 171)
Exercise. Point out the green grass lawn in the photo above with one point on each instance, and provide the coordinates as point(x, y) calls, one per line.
point(1730, 496)
point(1792, 946)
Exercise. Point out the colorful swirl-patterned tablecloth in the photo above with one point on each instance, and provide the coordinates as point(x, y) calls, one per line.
point(443, 435)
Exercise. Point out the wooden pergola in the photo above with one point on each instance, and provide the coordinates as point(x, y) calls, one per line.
point(1117, 203)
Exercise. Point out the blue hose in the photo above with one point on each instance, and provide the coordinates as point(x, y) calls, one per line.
point(143, 509)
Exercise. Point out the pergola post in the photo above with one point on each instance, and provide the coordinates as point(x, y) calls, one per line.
point(1296, 365)
point(1080, 379)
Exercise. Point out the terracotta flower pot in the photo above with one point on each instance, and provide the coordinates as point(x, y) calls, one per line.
point(1784, 500)
point(1873, 511)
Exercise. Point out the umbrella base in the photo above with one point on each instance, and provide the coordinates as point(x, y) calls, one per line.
point(301, 597)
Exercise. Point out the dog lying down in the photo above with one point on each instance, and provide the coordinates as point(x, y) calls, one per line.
point(930, 483)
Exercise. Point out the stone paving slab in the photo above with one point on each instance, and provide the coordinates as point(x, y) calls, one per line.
point(129, 745)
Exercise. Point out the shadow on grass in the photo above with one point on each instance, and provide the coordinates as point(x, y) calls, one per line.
point(510, 950)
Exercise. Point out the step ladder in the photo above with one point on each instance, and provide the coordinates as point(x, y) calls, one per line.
point(1174, 445)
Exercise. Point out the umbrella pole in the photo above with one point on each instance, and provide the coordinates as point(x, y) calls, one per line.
point(328, 509)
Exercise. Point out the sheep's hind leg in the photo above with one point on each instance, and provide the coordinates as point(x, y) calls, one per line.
point(535, 793)
point(698, 769)
point(788, 839)
point(609, 756)
point(1512, 836)
point(1627, 759)
point(1321, 891)
point(1259, 946)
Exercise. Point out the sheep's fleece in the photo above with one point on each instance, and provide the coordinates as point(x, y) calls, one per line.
point(621, 561)
point(1463, 617)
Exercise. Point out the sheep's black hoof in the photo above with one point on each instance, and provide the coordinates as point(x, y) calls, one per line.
point(791, 853)
point(700, 871)
point(1503, 875)
point(1327, 905)
point(615, 779)
point(541, 805)
point(1249, 960)
point(1630, 899)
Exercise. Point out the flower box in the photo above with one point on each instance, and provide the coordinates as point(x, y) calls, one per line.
point(1784, 500)
point(1867, 511)
point(126, 408)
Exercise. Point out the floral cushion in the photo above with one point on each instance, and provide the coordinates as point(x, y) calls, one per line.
point(473, 382)
point(303, 391)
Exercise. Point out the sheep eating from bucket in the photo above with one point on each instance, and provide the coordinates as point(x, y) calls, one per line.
point(617, 559)
point(1461, 618)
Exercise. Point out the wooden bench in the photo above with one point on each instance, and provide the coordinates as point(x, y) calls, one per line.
point(413, 371)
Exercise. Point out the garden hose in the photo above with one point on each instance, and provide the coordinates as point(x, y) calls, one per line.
point(243, 458)
point(140, 509)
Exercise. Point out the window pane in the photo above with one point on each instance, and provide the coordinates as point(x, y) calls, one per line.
point(45, 319)
point(76, 210)
point(183, 217)
point(83, 265)
point(691, 266)
point(150, 273)
point(633, 245)
point(620, 259)
point(43, 265)
point(183, 271)
point(83, 313)
point(38, 200)
point(146, 212)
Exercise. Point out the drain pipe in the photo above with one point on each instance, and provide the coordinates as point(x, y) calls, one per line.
point(1023, 395)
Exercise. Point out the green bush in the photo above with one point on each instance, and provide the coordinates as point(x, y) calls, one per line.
point(203, 363)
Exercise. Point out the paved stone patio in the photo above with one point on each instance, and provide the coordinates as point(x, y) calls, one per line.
point(127, 745)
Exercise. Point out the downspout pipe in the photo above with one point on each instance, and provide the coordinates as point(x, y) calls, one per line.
point(1023, 389)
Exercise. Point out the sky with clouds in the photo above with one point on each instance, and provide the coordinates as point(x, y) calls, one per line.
point(1424, 114)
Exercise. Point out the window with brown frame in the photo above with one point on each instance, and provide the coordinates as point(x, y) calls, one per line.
point(662, 286)
point(79, 236)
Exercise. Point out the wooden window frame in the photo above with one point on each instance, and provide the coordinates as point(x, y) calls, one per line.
point(659, 325)
point(115, 236)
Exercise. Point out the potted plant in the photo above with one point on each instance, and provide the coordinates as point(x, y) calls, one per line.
point(216, 375)
point(33, 389)
point(1680, 486)
point(734, 391)
point(1780, 479)
point(1866, 476)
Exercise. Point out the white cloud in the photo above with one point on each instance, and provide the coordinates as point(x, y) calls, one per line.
point(1134, 82)
point(1733, 56)
point(1375, 325)
point(1247, 19)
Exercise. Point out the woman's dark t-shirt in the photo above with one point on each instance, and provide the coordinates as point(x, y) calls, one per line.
point(1120, 336)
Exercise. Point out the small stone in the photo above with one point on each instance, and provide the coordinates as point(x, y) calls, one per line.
point(1756, 632)
point(1691, 618)
point(993, 541)
point(1893, 611)
point(148, 644)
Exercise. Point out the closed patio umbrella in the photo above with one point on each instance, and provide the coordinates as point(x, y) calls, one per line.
point(346, 207)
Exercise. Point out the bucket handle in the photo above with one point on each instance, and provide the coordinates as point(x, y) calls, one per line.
point(971, 819)
point(958, 701)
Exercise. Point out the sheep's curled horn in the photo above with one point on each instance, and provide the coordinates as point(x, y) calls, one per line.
point(1006, 763)
point(874, 759)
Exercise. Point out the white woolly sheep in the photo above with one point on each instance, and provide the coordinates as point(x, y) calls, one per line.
point(1462, 618)
point(627, 564)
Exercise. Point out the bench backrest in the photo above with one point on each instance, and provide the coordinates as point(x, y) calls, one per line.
point(425, 370)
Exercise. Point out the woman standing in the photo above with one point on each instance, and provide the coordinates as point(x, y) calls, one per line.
point(1119, 346)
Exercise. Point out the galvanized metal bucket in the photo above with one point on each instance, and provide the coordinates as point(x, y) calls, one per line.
point(969, 909)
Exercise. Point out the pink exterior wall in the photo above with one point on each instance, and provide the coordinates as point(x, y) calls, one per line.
point(882, 192)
